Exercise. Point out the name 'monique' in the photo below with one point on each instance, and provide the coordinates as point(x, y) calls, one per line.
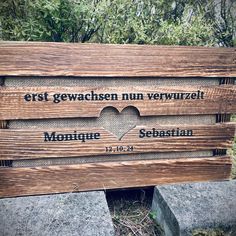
point(83, 137)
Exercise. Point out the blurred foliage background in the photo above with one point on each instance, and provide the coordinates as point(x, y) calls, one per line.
point(182, 22)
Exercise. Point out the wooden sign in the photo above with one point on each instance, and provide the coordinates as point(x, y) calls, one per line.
point(61, 102)
point(205, 144)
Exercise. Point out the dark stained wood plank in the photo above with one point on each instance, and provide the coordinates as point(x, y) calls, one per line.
point(38, 143)
point(110, 175)
point(61, 102)
point(63, 59)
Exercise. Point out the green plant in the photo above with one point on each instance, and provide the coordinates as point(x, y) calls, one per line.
point(181, 22)
point(153, 215)
point(45, 20)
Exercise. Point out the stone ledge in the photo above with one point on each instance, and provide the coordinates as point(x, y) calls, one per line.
point(67, 214)
point(182, 208)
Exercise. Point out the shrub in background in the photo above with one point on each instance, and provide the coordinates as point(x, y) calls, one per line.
point(183, 22)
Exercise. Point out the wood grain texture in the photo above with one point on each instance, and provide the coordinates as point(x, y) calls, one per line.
point(110, 175)
point(30, 144)
point(63, 59)
point(61, 102)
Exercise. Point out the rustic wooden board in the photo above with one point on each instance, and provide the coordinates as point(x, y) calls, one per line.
point(51, 102)
point(38, 143)
point(110, 175)
point(63, 59)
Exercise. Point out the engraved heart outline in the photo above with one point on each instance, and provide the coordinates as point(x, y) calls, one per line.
point(118, 123)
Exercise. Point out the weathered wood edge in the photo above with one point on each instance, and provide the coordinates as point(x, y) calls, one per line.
point(106, 60)
point(110, 175)
point(223, 117)
point(3, 125)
